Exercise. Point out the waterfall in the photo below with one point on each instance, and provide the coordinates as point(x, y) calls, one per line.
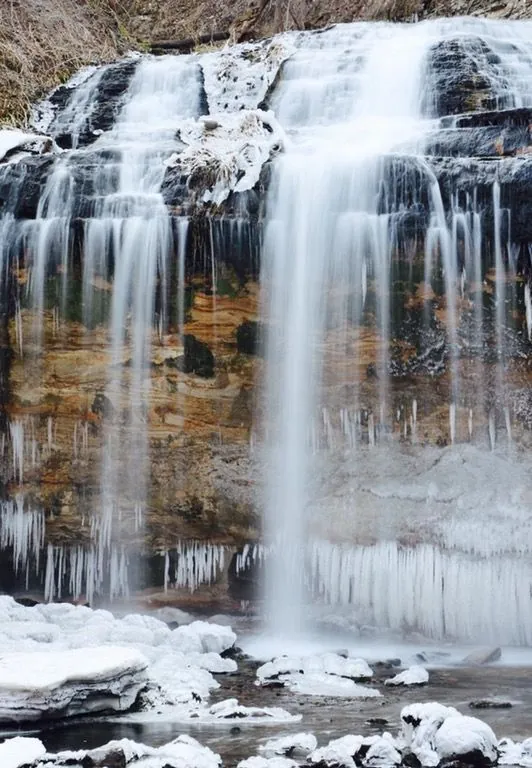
point(358, 103)
point(376, 178)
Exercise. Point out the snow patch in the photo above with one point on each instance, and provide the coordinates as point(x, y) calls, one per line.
point(239, 76)
point(511, 753)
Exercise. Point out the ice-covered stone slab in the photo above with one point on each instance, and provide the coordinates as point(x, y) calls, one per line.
point(61, 683)
point(225, 153)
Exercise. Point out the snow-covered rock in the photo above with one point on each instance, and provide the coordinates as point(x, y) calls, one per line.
point(15, 143)
point(267, 762)
point(352, 751)
point(47, 684)
point(239, 76)
point(19, 751)
point(295, 744)
point(225, 152)
point(328, 674)
point(183, 752)
point(230, 709)
point(461, 735)
point(415, 675)
point(512, 753)
point(180, 661)
point(203, 637)
point(434, 732)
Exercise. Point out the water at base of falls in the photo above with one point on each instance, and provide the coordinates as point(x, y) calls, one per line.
point(358, 103)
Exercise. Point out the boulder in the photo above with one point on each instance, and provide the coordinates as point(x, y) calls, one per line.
point(461, 77)
point(483, 656)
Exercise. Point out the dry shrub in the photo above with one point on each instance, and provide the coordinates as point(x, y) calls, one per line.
point(42, 42)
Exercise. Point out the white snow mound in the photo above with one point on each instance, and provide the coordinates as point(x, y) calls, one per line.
point(328, 674)
point(415, 675)
point(300, 744)
point(18, 751)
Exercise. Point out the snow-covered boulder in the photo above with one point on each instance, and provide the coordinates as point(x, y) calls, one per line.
point(512, 753)
point(19, 751)
point(50, 684)
point(183, 752)
point(328, 674)
point(352, 751)
point(293, 745)
point(225, 153)
point(14, 144)
point(434, 732)
point(267, 762)
point(230, 709)
point(460, 735)
point(415, 675)
point(203, 637)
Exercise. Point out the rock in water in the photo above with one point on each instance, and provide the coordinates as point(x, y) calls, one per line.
point(44, 685)
point(483, 656)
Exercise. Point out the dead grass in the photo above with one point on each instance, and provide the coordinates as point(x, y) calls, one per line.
point(42, 42)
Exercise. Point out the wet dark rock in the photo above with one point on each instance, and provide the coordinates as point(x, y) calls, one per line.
point(102, 405)
point(490, 704)
point(112, 88)
point(198, 358)
point(248, 336)
point(461, 77)
point(244, 575)
point(21, 185)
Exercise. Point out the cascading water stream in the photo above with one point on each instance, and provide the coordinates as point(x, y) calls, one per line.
point(354, 101)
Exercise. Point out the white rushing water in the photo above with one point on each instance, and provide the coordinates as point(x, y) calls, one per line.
point(351, 99)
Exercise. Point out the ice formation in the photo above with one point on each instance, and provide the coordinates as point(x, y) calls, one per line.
point(37, 685)
point(69, 649)
point(433, 732)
